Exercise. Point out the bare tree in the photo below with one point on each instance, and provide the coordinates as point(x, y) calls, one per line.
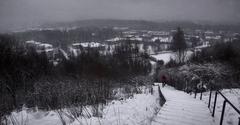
point(179, 45)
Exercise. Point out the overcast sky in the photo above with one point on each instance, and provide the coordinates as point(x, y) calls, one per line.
point(17, 13)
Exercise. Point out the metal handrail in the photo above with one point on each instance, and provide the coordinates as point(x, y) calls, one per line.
point(226, 100)
point(162, 98)
point(234, 107)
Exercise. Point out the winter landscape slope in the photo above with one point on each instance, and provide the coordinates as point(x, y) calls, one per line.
point(141, 109)
point(138, 109)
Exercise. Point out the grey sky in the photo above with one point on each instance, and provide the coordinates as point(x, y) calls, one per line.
point(17, 13)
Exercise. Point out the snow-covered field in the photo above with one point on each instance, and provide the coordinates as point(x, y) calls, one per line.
point(139, 109)
point(231, 117)
point(166, 56)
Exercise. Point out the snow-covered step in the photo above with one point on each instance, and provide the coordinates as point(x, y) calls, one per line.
point(185, 116)
point(182, 109)
point(187, 113)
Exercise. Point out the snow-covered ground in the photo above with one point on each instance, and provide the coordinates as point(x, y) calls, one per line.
point(139, 109)
point(231, 117)
point(182, 109)
point(166, 56)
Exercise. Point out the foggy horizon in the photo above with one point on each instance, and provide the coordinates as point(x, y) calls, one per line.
point(23, 13)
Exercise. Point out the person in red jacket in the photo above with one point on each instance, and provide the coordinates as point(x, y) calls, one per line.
point(164, 79)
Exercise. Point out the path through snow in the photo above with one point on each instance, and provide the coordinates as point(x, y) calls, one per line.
point(182, 109)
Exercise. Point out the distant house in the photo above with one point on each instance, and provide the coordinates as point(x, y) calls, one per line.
point(44, 47)
point(198, 49)
point(116, 39)
point(41, 48)
point(136, 38)
point(146, 37)
point(32, 44)
point(212, 37)
point(77, 48)
point(235, 36)
point(162, 39)
point(164, 42)
point(158, 33)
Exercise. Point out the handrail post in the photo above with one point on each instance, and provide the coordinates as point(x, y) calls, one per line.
point(201, 91)
point(201, 95)
point(215, 100)
point(195, 96)
point(210, 97)
point(239, 121)
point(223, 110)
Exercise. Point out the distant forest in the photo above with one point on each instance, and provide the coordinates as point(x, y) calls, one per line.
point(65, 37)
point(101, 30)
point(146, 25)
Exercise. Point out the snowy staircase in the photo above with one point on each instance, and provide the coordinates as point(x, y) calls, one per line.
point(182, 109)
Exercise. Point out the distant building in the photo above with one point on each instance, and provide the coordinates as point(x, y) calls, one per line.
point(41, 48)
point(116, 39)
point(165, 39)
point(77, 48)
point(32, 44)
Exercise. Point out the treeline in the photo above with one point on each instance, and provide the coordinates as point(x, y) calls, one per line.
point(126, 61)
point(147, 25)
point(223, 52)
point(216, 67)
point(28, 78)
point(19, 69)
point(65, 37)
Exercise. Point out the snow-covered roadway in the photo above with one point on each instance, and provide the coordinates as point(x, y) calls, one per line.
point(182, 109)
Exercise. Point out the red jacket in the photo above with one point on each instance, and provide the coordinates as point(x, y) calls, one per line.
point(164, 79)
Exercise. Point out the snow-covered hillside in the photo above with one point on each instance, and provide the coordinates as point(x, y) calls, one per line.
point(138, 109)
